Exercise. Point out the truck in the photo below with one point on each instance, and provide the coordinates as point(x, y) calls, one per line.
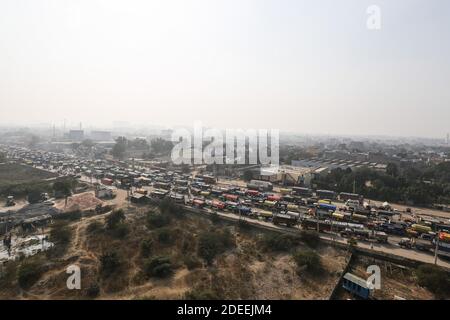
point(326, 194)
point(360, 234)
point(107, 181)
point(420, 228)
point(265, 214)
point(260, 185)
point(218, 204)
point(10, 201)
point(301, 191)
point(423, 245)
point(285, 219)
point(344, 196)
point(419, 244)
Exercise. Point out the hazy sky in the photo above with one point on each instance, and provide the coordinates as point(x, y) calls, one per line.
point(306, 66)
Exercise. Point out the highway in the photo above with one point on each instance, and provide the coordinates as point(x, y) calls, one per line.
point(391, 247)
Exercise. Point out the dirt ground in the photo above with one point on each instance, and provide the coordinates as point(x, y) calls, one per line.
point(242, 272)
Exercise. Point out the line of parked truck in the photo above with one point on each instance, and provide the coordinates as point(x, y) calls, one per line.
point(312, 209)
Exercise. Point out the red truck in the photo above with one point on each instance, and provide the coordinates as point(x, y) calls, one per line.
point(107, 181)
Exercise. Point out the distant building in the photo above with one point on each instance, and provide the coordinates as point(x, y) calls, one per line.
point(101, 135)
point(76, 135)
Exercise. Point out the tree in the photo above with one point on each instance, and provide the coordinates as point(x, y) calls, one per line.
point(280, 242)
point(161, 146)
point(63, 188)
point(160, 267)
point(213, 243)
point(60, 234)
point(110, 262)
point(139, 144)
point(309, 260)
point(28, 274)
point(120, 148)
point(435, 279)
point(34, 196)
point(115, 218)
point(392, 169)
point(167, 206)
point(311, 238)
point(157, 220)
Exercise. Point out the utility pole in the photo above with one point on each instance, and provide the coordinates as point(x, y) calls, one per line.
point(436, 249)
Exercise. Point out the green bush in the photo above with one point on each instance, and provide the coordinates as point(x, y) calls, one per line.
point(309, 260)
point(120, 231)
point(93, 290)
point(192, 262)
point(160, 267)
point(213, 243)
point(110, 262)
point(434, 279)
point(215, 219)
point(115, 218)
point(93, 227)
point(311, 238)
point(168, 207)
point(280, 242)
point(166, 236)
point(28, 274)
point(70, 216)
point(243, 225)
point(157, 220)
point(146, 247)
point(61, 233)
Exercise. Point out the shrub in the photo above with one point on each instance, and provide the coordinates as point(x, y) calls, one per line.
point(94, 227)
point(157, 220)
point(243, 225)
point(110, 262)
point(93, 290)
point(197, 294)
point(311, 238)
point(280, 242)
point(168, 207)
point(159, 267)
point(146, 247)
point(70, 216)
point(434, 279)
point(120, 231)
point(61, 233)
point(192, 262)
point(115, 218)
point(215, 219)
point(28, 274)
point(34, 196)
point(211, 244)
point(309, 260)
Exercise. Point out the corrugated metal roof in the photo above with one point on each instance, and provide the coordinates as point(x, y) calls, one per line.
point(355, 279)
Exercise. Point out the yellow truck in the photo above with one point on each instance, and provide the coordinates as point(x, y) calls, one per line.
point(421, 228)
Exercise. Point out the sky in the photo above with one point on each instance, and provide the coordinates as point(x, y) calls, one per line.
point(301, 66)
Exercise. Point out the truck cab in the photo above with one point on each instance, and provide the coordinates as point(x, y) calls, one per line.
point(405, 243)
point(10, 201)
